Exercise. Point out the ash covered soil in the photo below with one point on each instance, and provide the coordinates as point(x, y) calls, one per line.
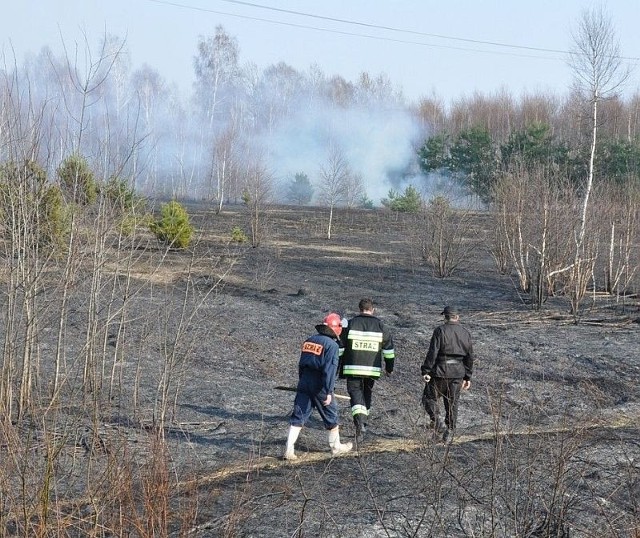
point(548, 435)
point(547, 441)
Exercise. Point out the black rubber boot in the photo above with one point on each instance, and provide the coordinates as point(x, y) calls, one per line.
point(358, 421)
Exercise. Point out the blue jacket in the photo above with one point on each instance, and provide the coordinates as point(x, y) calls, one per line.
point(318, 366)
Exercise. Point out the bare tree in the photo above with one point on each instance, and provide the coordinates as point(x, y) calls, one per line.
point(620, 217)
point(256, 194)
point(531, 229)
point(152, 95)
point(431, 113)
point(495, 113)
point(377, 91)
point(216, 69)
point(339, 91)
point(333, 181)
point(217, 79)
point(354, 190)
point(223, 164)
point(599, 72)
point(276, 95)
point(445, 233)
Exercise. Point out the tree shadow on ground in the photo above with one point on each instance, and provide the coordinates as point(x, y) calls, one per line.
point(242, 416)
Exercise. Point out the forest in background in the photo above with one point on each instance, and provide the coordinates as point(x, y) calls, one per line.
point(282, 123)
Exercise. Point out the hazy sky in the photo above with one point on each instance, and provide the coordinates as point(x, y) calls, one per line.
point(450, 48)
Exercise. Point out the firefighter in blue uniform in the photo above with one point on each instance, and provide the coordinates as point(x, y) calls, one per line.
point(367, 345)
point(317, 373)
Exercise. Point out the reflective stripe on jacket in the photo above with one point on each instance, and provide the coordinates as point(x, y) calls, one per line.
point(366, 343)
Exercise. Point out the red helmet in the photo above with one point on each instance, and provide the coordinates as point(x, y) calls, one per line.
point(334, 321)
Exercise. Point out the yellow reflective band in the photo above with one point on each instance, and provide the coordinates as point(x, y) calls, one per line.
point(359, 410)
point(368, 371)
point(365, 335)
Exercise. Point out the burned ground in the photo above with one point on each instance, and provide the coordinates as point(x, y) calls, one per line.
point(547, 442)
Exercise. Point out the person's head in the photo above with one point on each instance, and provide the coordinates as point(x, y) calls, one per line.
point(451, 313)
point(334, 322)
point(366, 306)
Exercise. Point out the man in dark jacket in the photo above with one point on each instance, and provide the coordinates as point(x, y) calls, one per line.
point(367, 342)
point(446, 370)
point(317, 372)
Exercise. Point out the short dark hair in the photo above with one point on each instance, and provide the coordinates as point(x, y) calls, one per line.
point(365, 304)
point(450, 311)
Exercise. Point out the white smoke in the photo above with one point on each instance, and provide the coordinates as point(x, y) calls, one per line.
point(377, 143)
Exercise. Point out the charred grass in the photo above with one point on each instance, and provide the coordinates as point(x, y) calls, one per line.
point(548, 437)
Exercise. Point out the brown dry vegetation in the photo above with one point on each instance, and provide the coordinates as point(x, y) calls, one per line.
point(183, 432)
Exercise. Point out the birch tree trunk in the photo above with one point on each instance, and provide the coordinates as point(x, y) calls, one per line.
point(599, 72)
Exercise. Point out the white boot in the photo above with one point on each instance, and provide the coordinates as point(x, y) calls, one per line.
point(294, 431)
point(337, 448)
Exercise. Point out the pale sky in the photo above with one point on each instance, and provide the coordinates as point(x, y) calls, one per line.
point(447, 48)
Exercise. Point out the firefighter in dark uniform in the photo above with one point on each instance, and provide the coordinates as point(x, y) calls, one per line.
point(367, 344)
point(446, 370)
point(317, 373)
